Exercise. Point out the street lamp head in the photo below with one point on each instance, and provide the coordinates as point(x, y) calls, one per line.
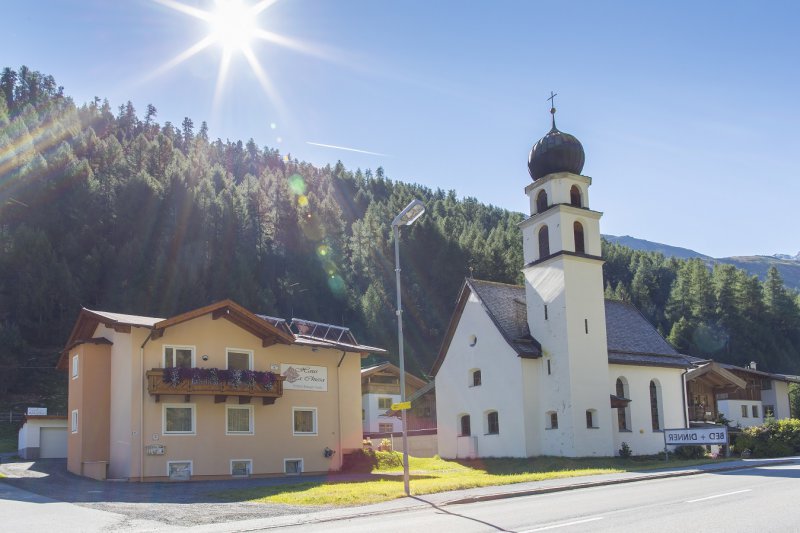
point(409, 214)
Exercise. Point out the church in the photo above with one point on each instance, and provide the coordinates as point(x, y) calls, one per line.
point(552, 367)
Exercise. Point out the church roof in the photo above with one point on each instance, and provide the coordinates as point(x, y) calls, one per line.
point(631, 338)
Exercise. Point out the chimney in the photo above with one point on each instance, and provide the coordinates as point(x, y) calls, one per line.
point(752, 365)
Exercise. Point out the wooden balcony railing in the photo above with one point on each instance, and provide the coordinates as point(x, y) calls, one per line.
point(219, 383)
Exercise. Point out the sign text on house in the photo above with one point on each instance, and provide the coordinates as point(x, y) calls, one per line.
point(678, 437)
point(304, 377)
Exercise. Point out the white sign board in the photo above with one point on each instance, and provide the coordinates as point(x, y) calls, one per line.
point(304, 377)
point(37, 411)
point(680, 437)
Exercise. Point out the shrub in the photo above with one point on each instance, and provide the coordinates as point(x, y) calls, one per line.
point(360, 461)
point(625, 451)
point(775, 438)
point(387, 460)
point(690, 452)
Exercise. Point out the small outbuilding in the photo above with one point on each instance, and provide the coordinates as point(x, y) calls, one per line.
point(43, 437)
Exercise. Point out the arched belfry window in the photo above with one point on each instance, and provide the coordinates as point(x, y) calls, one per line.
point(575, 196)
point(579, 245)
point(541, 201)
point(544, 242)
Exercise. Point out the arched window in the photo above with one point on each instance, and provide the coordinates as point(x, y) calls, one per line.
point(544, 242)
point(623, 413)
point(575, 196)
point(591, 418)
point(655, 406)
point(578, 231)
point(541, 201)
point(466, 431)
point(492, 423)
point(475, 378)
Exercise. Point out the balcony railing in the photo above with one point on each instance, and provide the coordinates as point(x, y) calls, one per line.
point(242, 384)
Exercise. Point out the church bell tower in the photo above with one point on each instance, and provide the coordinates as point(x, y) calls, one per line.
point(565, 301)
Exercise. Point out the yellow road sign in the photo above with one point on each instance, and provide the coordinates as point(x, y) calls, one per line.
point(402, 406)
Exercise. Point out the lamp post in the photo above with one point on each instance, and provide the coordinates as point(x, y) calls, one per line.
point(407, 216)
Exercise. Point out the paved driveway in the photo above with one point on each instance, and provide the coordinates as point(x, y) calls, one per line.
point(141, 505)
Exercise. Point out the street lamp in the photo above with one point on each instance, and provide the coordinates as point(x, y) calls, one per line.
point(407, 216)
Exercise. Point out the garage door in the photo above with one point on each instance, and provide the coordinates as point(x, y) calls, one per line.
point(53, 443)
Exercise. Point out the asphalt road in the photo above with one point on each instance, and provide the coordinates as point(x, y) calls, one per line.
point(758, 499)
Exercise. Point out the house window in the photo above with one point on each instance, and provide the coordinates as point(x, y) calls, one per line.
point(766, 384)
point(591, 418)
point(744, 411)
point(575, 196)
point(769, 411)
point(75, 421)
point(541, 201)
point(577, 229)
point(239, 420)
point(544, 242)
point(178, 356)
point(385, 428)
point(305, 420)
point(466, 430)
point(241, 467)
point(552, 420)
point(178, 419)
point(239, 359)
point(293, 466)
point(755, 411)
point(492, 423)
point(384, 403)
point(655, 406)
point(476, 378)
point(179, 469)
point(75, 366)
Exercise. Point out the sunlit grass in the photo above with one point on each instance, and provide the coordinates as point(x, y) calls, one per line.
point(432, 475)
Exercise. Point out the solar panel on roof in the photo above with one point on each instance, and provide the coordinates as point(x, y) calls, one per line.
point(322, 331)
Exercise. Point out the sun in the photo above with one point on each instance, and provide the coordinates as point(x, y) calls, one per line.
point(233, 24)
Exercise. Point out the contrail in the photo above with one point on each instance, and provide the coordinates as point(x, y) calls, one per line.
point(345, 148)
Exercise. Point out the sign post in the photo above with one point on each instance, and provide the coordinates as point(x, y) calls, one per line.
point(695, 436)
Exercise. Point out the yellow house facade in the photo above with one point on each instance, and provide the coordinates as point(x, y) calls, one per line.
point(215, 392)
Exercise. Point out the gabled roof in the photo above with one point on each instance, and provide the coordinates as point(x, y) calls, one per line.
point(269, 329)
point(505, 306)
point(631, 338)
point(389, 368)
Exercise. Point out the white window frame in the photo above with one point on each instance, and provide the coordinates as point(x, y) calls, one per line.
point(249, 467)
point(74, 420)
point(250, 414)
point(299, 460)
point(315, 432)
point(191, 465)
point(75, 366)
point(177, 347)
point(239, 350)
point(166, 406)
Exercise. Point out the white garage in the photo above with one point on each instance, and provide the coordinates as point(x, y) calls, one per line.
point(43, 437)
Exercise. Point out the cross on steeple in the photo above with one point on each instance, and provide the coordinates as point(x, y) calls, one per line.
point(553, 107)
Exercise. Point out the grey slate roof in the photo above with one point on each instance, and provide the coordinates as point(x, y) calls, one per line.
point(506, 307)
point(632, 340)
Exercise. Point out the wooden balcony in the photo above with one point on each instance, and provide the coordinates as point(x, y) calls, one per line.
point(158, 384)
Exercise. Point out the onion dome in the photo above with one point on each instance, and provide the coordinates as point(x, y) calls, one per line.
point(556, 152)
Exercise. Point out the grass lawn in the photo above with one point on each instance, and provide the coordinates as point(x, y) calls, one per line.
point(430, 475)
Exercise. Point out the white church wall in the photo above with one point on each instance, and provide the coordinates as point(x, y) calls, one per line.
point(642, 439)
point(500, 389)
point(533, 372)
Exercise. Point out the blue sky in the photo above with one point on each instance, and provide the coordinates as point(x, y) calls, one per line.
point(687, 111)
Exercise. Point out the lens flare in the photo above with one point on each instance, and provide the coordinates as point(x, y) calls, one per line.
point(323, 250)
point(302, 200)
point(297, 185)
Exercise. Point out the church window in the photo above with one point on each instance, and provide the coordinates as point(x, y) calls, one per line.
point(475, 378)
point(623, 413)
point(541, 201)
point(655, 406)
point(473, 340)
point(586, 325)
point(492, 423)
point(591, 418)
point(579, 244)
point(548, 367)
point(575, 196)
point(545, 312)
point(465, 426)
point(544, 242)
point(552, 420)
